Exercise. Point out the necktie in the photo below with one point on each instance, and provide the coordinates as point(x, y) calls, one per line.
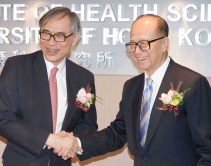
point(145, 111)
point(54, 96)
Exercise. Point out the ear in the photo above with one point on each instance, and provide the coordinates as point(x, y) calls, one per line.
point(76, 38)
point(166, 42)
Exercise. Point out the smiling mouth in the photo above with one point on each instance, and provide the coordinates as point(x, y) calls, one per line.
point(52, 50)
point(142, 58)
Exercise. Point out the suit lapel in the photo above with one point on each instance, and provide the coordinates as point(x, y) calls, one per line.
point(41, 88)
point(156, 114)
point(136, 106)
point(72, 79)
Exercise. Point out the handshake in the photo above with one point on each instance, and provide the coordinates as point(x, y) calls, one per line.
point(64, 144)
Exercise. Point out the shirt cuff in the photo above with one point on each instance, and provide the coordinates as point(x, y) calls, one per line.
point(79, 143)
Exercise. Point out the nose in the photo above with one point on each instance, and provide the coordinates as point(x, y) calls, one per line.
point(52, 41)
point(138, 50)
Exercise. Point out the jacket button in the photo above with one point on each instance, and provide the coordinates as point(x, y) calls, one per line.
point(145, 159)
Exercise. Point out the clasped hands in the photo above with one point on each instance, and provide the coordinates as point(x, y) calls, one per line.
point(64, 144)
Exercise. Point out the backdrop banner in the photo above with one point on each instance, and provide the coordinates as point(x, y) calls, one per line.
point(105, 30)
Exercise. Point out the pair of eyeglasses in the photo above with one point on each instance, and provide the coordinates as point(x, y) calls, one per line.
point(57, 37)
point(144, 45)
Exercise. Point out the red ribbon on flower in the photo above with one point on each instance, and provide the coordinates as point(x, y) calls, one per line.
point(81, 105)
point(170, 108)
point(88, 88)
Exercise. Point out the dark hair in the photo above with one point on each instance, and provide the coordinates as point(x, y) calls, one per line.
point(61, 12)
point(162, 28)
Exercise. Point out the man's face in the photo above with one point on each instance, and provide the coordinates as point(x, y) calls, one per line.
point(146, 29)
point(56, 51)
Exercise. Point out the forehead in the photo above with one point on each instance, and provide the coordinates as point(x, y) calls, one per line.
point(57, 24)
point(143, 29)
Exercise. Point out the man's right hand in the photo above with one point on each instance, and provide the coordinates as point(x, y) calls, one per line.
point(64, 144)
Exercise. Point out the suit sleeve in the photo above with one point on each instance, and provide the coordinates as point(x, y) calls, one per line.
point(12, 128)
point(107, 140)
point(198, 105)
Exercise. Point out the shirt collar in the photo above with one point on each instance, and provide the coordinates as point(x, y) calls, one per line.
point(158, 75)
point(61, 66)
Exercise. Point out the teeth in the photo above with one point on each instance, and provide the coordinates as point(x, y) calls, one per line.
point(142, 58)
point(52, 50)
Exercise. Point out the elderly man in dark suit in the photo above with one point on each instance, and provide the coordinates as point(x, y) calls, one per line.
point(172, 129)
point(38, 95)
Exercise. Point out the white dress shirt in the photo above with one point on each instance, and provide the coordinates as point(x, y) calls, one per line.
point(157, 78)
point(61, 90)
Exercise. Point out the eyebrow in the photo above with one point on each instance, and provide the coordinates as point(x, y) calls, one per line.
point(139, 40)
point(45, 30)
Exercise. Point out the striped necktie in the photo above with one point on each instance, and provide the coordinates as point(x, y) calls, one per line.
point(145, 111)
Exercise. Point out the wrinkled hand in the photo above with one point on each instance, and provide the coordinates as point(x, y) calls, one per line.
point(64, 144)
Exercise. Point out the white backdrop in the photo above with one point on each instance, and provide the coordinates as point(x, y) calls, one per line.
point(105, 29)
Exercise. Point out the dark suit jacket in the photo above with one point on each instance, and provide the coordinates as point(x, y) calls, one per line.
point(171, 141)
point(25, 109)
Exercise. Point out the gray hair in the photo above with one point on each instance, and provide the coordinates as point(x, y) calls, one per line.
point(61, 12)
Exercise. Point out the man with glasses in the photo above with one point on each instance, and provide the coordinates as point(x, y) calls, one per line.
point(38, 94)
point(177, 133)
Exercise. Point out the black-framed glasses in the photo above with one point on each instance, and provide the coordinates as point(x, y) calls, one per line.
point(57, 37)
point(144, 45)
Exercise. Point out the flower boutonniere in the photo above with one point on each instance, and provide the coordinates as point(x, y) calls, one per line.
point(172, 99)
point(84, 99)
